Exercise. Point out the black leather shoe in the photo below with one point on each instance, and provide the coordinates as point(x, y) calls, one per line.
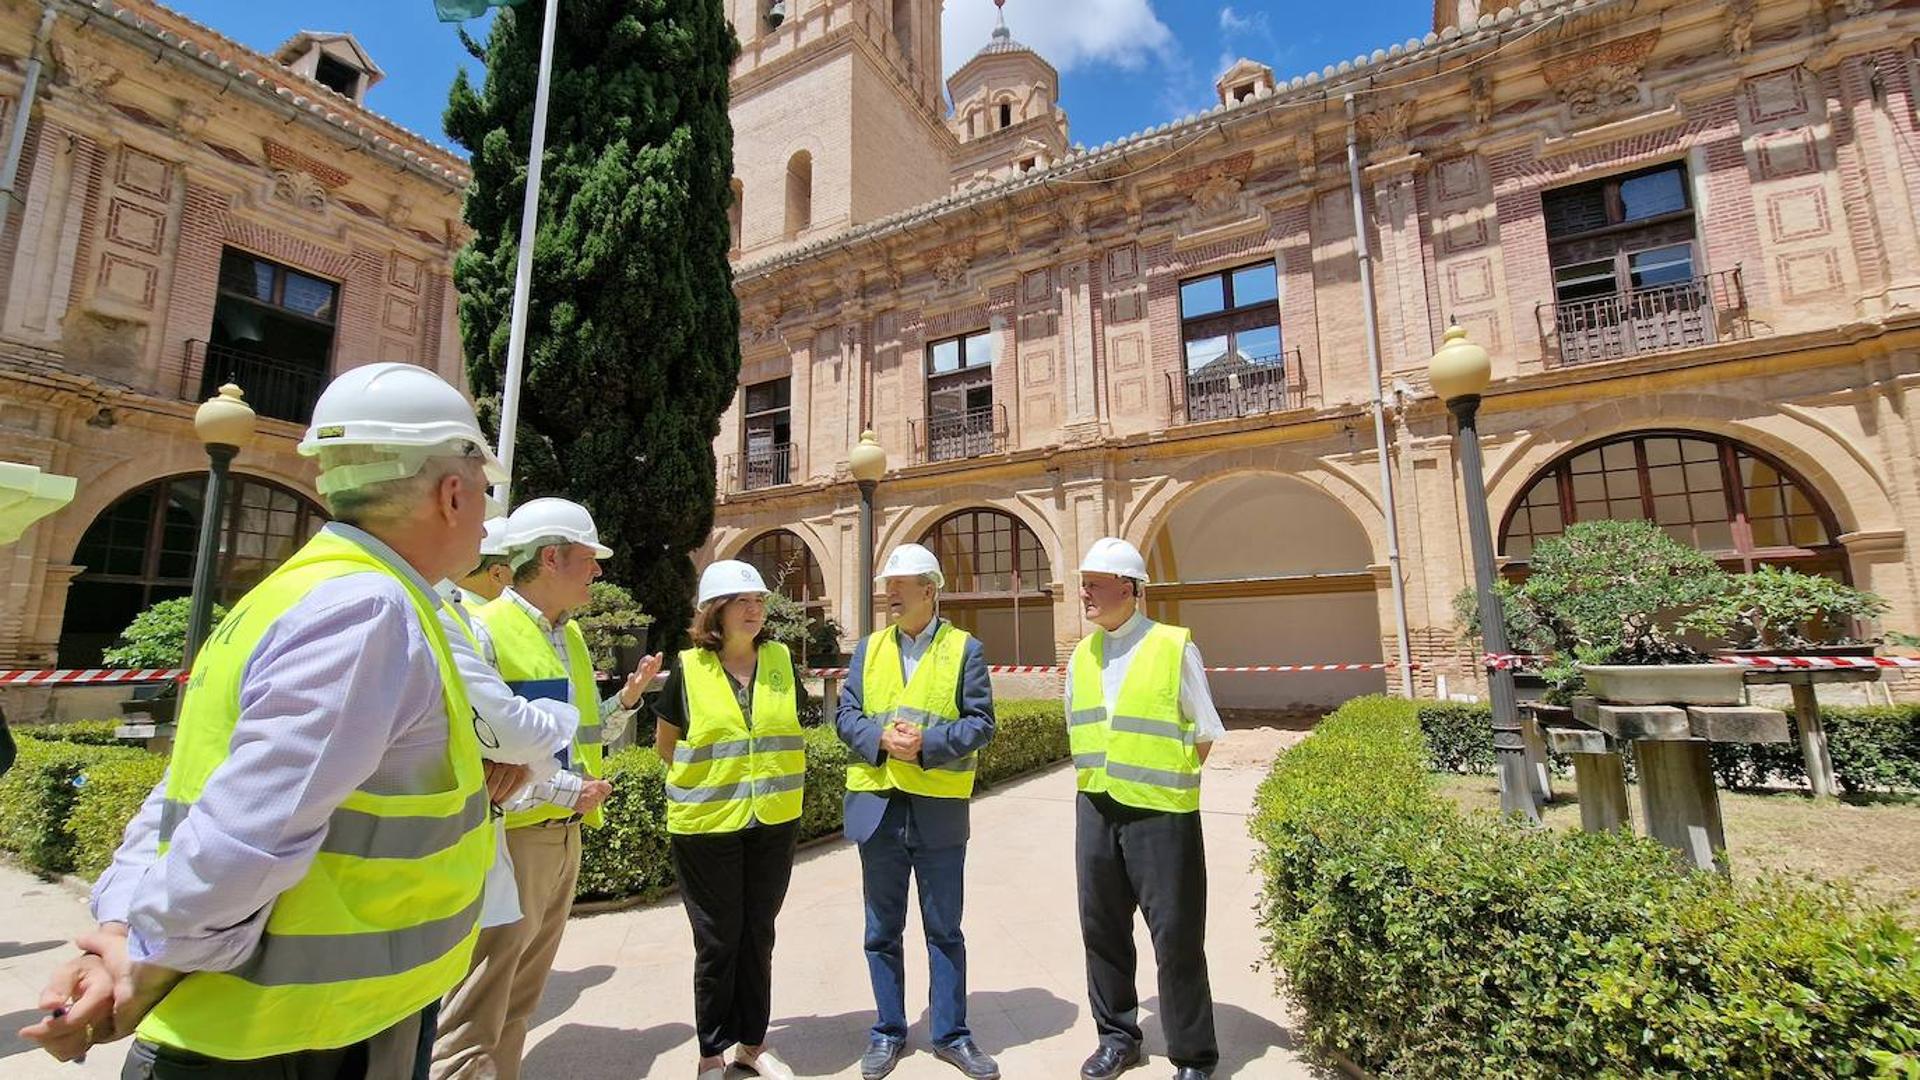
point(881, 1056)
point(1188, 1072)
point(962, 1054)
point(1109, 1062)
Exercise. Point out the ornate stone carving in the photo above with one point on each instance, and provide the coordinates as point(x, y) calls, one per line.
point(950, 264)
point(1854, 8)
point(847, 282)
point(1073, 219)
point(1480, 97)
point(1306, 154)
point(299, 189)
point(1385, 126)
point(1215, 187)
point(190, 120)
point(1740, 27)
point(86, 73)
point(1601, 79)
point(400, 212)
point(761, 324)
point(285, 157)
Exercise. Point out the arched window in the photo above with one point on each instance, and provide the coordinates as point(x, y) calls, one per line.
point(1724, 498)
point(736, 211)
point(998, 584)
point(140, 551)
point(799, 194)
point(980, 549)
point(788, 565)
point(1006, 114)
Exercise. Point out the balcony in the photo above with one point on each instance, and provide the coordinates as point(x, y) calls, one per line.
point(761, 467)
point(1654, 319)
point(954, 436)
point(1240, 386)
point(280, 389)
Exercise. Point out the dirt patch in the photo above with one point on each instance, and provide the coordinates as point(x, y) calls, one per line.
point(1252, 747)
point(1872, 842)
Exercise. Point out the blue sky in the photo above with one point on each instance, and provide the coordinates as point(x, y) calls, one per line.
point(1125, 64)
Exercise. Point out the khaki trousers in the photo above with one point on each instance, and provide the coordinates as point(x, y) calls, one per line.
point(483, 1022)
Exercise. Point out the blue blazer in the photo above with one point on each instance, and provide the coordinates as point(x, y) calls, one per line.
point(940, 822)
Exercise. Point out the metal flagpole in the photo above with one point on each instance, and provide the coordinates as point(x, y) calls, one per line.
point(523, 270)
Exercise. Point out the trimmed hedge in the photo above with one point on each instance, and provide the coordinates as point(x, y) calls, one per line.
point(82, 732)
point(1874, 749)
point(1423, 942)
point(65, 804)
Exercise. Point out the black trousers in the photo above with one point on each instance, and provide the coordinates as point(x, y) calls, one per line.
point(732, 885)
point(401, 1052)
point(1155, 862)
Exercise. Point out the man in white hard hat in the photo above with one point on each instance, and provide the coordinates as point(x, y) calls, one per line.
point(916, 709)
point(486, 581)
point(555, 552)
point(1141, 722)
point(322, 717)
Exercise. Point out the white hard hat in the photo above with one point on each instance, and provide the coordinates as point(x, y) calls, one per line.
point(495, 542)
point(911, 560)
point(399, 406)
point(1112, 555)
point(548, 521)
point(730, 577)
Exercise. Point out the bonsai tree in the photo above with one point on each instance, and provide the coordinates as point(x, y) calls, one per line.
point(1776, 608)
point(157, 637)
point(810, 639)
point(610, 622)
point(1610, 592)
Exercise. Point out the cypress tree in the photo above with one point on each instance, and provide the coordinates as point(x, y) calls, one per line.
point(632, 342)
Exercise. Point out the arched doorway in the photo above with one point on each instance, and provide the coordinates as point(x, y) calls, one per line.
point(1267, 569)
point(140, 551)
point(788, 565)
point(1725, 498)
point(998, 584)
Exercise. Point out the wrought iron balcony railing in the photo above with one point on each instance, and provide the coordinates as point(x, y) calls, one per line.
point(761, 467)
point(1653, 319)
point(1247, 386)
point(281, 389)
point(952, 436)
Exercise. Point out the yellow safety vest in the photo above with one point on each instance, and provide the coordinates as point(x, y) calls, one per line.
point(531, 669)
point(385, 919)
point(725, 774)
point(931, 697)
point(1143, 755)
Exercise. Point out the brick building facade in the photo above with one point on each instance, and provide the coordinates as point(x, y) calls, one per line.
point(189, 211)
point(1685, 230)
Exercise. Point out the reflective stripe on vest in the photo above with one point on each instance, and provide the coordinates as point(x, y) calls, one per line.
point(726, 775)
point(1144, 755)
point(930, 697)
point(385, 919)
point(531, 669)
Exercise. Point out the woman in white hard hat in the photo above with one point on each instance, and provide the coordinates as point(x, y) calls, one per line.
point(728, 728)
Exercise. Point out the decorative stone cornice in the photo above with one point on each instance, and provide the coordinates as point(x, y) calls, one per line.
point(1602, 79)
point(1385, 126)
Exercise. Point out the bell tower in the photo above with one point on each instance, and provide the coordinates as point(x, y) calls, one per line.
point(838, 117)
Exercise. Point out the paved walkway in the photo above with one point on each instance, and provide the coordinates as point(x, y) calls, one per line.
point(619, 1004)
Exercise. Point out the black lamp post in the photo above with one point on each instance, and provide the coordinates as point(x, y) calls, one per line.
point(1460, 372)
point(225, 424)
point(868, 462)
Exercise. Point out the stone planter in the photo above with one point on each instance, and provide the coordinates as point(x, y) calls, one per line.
point(1666, 684)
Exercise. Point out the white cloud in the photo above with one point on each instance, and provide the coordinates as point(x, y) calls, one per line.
point(1069, 33)
point(1232, 22)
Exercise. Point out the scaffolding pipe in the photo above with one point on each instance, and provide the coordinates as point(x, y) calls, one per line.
point(1372, 318)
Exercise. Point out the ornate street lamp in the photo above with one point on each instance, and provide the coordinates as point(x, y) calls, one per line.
point(1460, 372)
point(225, 425)
point(868, 463)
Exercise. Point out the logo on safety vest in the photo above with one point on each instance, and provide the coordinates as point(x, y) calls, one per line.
point(777, 680)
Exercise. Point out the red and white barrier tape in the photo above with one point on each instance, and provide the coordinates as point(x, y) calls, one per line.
point(80, 676)
point(1500, 661)
point(1056, 669)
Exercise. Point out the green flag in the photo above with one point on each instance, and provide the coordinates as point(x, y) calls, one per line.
point(462, 10)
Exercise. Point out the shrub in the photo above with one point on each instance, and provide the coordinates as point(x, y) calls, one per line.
point(83, 732)
point(608, 622)
point(1027, 735)
point(629, 856)
point(157, 637)
point(1459, 736)
point(1423, 942)
point(112, 794)
point(1776, 608)
point(39, 794)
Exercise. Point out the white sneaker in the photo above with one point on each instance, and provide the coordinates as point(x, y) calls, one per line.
point(766, 1066)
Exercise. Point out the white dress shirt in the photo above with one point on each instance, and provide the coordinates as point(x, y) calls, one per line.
point(342, 693)
point(1196, 700)
point(913, 647)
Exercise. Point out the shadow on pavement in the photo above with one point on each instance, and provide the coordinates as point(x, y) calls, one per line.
point(564, 989)
point(10, 1024)
point(1037, 1014)
point(823, 1045)
point(11, 949)
point(586, 1052)
point(1244, 1037)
